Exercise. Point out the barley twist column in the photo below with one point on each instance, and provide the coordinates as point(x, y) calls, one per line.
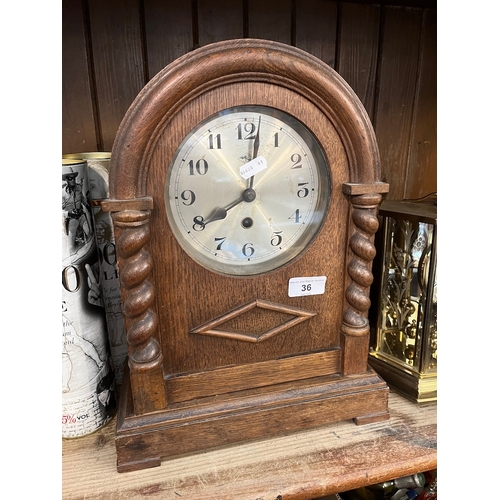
point(355, 326)
point(145, 358)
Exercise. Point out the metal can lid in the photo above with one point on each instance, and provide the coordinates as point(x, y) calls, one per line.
point(95, 155)
point(66, 162)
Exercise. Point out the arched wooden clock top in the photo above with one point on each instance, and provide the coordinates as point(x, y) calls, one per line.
point(234, 61)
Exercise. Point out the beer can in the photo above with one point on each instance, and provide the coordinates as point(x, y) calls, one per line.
point(98, 167)
point(88, 396)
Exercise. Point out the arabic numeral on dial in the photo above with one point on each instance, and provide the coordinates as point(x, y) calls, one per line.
point(276, 144)
point(248, 250)
point(198, 225)
point(221, 241)
point(296, 216)
point(200, 167)
point(303, 191)
point(214, 142)
point(246, 131)
point(276, 238)
point(188, 197)
point(296, 160)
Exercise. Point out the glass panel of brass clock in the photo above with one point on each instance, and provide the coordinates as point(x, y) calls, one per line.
point(408, 319)
point(247, 190)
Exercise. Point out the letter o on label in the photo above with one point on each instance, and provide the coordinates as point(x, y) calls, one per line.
point(71, 279)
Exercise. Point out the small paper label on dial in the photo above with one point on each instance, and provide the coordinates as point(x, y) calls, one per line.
point(253, 167)
point(314, 285)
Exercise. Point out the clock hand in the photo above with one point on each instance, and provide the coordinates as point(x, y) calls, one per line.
point(248, 195)
point(257, 141)
point(220, 213)
point(255, 151)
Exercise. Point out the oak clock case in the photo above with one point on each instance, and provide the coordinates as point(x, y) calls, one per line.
point(241, 168)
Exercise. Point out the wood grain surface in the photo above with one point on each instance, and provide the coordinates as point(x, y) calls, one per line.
point(358, 50)
point(169, 32)
point(118, 61)
point(302, 466)
point(397, 74)
point(78, 119)
point(422, 160)
point(316, 28)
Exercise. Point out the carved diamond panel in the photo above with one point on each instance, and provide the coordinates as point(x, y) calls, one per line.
point(255, 321)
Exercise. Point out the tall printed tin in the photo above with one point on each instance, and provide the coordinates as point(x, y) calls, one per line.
point(88, 398)
point(98, 169)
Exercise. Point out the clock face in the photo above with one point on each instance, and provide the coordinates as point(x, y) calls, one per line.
point(247, 190)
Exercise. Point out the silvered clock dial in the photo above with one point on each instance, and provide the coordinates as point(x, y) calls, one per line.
point(247, 190)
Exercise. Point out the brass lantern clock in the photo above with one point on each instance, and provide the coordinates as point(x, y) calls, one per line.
point(244, 190)
point(404, 344)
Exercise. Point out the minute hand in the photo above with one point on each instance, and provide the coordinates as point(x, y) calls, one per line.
point(255, 151)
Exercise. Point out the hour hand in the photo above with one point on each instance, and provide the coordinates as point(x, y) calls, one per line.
point(220, 213)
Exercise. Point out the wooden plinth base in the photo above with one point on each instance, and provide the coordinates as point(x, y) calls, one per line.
point(202, 424)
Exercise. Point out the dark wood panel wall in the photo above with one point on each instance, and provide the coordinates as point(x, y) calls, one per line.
point(386, 52)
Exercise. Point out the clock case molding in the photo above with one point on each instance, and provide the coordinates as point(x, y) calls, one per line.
point(166, 410)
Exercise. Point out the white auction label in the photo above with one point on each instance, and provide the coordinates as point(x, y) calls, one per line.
point(314, 285)
point(253, 167)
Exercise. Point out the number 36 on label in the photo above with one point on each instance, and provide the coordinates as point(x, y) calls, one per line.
point(314, 285)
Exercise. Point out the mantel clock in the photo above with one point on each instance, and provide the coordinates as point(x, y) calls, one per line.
point(244, 190)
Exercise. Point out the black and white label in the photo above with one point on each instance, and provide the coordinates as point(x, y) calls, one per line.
point(314, 285)
point(253, 167)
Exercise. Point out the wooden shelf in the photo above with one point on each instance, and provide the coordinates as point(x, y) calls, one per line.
point(302, 466)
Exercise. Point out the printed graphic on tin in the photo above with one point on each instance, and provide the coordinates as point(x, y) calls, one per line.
point(76, 215)
point(88, 398)
point(87, 405)
point(110, 282)
point(80, 356)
